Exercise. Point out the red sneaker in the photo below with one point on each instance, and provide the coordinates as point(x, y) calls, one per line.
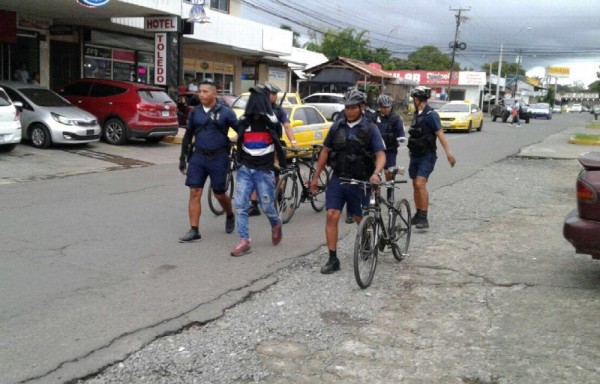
point(242, 248)
point(276, 234)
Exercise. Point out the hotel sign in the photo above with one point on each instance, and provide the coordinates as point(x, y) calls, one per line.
point(161, 24)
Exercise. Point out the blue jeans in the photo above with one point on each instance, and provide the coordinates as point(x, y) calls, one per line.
point(246, 181)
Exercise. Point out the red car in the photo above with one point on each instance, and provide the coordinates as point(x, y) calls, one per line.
point(582, 225)
point(125, 109)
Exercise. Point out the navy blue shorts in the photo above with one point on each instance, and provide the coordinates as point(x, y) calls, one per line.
point(201, 167)
point(390, 159)
point(338, 194)
point(422, 166)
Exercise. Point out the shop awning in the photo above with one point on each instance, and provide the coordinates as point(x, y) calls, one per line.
point(338, 76)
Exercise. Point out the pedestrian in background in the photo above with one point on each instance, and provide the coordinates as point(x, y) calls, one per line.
point(208, 156)
point(21, 74)
point(193, 86)
point(257, 144)
point(515, 114)
point(353, 148)
point(424, 130)
point(35, 79)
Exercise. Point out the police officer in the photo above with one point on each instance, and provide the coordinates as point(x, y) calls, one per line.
point(353, 148)
point(282, 117)
point(424, 130)
point(391, 128)
point(208, 156)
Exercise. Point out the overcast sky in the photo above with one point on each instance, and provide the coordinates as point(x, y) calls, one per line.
point(547, 32)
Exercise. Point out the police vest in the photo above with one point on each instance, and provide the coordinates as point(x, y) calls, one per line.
point(420, 141)
point(351, 155)
point(386, 126)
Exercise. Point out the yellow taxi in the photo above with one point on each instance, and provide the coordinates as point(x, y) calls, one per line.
point(239, 105)
point(309, 125)
point(461, 116)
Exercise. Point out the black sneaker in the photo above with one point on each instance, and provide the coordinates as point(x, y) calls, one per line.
point(331, 266)
point(423, 223)
point(349, 219)
point(229, 224)
point(415, 219)
point(253, 210)
point(190, 236)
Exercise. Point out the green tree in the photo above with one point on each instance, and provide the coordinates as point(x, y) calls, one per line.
point(347, 43)
point(296, 35)
point(507, 69)
point(430, 58)
point(595, 86)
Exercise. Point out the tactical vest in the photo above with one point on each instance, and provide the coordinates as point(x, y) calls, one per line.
point(386, 128)
point(421, 142)
point(351, 155)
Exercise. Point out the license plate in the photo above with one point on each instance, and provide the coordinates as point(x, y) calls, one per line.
point(89, 132)
point(165, 113)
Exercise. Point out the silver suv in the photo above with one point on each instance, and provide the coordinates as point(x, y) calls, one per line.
point(330, 104)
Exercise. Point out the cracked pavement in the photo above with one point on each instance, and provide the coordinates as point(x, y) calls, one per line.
point(492, 293)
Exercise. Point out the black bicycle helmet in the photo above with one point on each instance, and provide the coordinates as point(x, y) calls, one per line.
point(354, 97)
point(385, 101)
point(272, 88)
point(421, 92)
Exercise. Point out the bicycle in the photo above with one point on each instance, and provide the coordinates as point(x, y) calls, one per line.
point(286, 192)
point(373, 235)
point(213, 203)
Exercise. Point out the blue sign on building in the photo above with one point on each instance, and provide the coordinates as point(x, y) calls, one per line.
point(93, 3)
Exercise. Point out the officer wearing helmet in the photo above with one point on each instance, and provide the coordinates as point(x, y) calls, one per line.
point(353, 148)
point(424, 130)
point(391, 128)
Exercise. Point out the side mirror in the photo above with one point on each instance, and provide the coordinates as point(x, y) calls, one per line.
point(296, 123)
point(18, 105)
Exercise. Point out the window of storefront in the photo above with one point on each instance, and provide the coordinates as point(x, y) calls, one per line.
point(219, 73)
point(249, 77)
point(220, 5)
point(118, 64)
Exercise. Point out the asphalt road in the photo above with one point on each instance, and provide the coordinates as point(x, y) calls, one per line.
point(91, 269)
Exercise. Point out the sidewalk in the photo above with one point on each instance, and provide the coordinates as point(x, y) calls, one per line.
point(492, 293)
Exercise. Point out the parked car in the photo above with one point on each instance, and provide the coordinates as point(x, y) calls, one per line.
point(582, 225)
point(10, 124)
point(576, 108)
point(330, 104)
point(49, 119)
point(125, 109)
point(504, 110)
point(556, 109)
point(309, 125)
point(461, 115)
point(239, 105)
point(541, 110)
point(436, 104)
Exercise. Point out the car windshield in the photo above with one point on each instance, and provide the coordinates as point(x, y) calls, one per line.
point(44, 97)
point(241, 102)
point(455, 108)
point(543, 105)
point(434, 104)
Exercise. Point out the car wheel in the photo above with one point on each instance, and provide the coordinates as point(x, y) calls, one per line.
point(115, 132)
point(39, 136)
point(335, 116)
point(527, 119)
point(154, 139)
point(7, 147)
point(480, 126)
point(494, 118)
point(470, 127)
point(504, 118)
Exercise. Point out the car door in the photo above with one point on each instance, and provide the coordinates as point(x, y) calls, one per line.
point(477, 116)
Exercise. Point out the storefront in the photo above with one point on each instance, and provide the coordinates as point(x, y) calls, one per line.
point(220, 73)
point(465, 85)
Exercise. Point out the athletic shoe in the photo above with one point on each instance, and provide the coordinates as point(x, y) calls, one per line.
point(276, 234)
point(331, 266)
point(242, 248)
point(190, 236)
point(253, 210)
point(423, 223)
point(349, 219)
point(229, 224)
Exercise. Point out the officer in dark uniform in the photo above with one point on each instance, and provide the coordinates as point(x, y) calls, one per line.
point(424, 130)
point(353, 148)
point(282, 118)
point(391, 128)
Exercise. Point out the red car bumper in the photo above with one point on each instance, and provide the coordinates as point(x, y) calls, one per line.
point(583, 234)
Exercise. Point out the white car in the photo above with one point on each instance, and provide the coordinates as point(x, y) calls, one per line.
point(10, 125)
point(48, 119)
point(330, 104)
point(576, 108)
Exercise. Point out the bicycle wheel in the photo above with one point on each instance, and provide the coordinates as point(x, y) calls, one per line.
point(400, 229)
point(365, 252)
point(287, 197)
point(317, 201)
point(213, 203)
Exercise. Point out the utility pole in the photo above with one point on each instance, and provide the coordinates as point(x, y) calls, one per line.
point(498, 78)
point(516, 86)
point(455, 44)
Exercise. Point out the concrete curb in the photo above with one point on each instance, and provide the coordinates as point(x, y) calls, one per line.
point(573, 140)
point(177, 139)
